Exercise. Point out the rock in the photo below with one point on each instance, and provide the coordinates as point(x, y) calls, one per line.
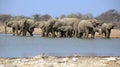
point(65, 59)
point(74, 59)
point(110, 59)
point(2, 65)
point(42, 60)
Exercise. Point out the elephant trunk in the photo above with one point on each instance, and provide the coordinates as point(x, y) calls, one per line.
point(5, 27)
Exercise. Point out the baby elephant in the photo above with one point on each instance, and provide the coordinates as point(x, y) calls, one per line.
point(65, 31)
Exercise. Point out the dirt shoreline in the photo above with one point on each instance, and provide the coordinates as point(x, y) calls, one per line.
point(53, 61)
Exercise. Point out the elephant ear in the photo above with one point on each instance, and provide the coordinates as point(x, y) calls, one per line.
point(89, 25)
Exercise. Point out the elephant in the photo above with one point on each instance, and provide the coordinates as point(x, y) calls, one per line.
point(49, 28)
point(25, 28)
point(66, 31)
point(86, 27)
point(106, 29)
point(45, 26)
point(75, 28)
point(39, 24)
point(15, 25)
point(65, 22)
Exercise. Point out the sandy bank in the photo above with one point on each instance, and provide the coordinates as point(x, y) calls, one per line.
point(52, 61)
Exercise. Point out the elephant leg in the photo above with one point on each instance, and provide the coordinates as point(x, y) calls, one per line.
point(31, 33)
point(47, 33)
point(92, 34)
point(66, 34)
point(13, 29)
point(24, 32)
point(108, 33)
point(80, 35)
point(73, 33)
point(76, 34)
point(63, 34)
point(20, 32)
point(16, 29)
point(101, 33)
point(60, 34)
point(43, 33)
point(87, 34)
point(69, 34)
point(53, 33)
point(105, 34)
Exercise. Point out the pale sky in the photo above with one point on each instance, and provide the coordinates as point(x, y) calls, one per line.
point(57, 7)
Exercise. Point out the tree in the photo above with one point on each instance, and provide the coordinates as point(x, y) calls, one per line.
point(36, 17)
point(88, 16)
point(110, 16)
point(62, 16)
point(4, 17)
point(45, 17)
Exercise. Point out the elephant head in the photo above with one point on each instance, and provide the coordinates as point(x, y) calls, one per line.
point(39, 24)
point(106, 29)
point(51, 22)
point(110, 26)
point(10, 23)
point(95, 22)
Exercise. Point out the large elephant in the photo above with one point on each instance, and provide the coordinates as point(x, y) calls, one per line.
point(39, 24)
point(15, 25)
point(75, 28)
point(49, 28)
point(86, 27)
point(65, 22)
point(66, 31)
point(45, 26)
point(106, 29)
point(25, 28)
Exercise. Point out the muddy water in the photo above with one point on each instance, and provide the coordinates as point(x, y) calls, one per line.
point(18, 46)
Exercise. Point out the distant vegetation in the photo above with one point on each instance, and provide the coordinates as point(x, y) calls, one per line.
point(110, 16)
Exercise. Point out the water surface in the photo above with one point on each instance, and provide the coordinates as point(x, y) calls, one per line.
point(18, 46)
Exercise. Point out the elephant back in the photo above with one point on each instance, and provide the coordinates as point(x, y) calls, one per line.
point(66, 22)
point(40, 24)
point(107, 26)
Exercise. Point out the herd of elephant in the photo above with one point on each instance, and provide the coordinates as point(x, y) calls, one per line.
point(65, 27)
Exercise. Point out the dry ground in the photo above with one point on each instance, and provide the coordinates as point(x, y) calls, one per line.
point(52, 61)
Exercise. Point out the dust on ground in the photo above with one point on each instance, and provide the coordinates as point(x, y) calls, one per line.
point(55, 61)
